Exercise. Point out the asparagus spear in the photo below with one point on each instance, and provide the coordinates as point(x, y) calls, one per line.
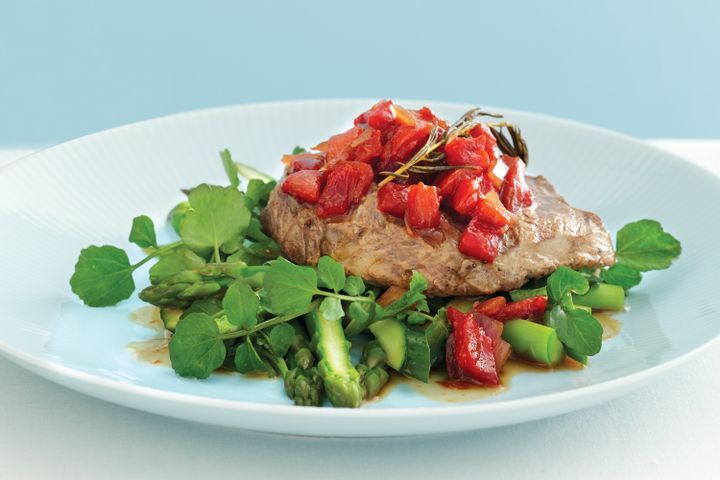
point(180, 289)
point(304, 386)
point(372, 369)
point(340, 379)
point(302, 382)
point(533, 341)
point(602, 296)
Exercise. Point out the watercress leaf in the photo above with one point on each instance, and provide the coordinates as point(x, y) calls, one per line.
point(218, 216)
point(169, 265)
point(414, 295)
point(578, 357)
point(565, 281)
point(298, 149)
point(241, 305)
point(243, 255)
point(177, 214)
point(436, 334)
point(577, 329)
point(255, 231)
point(354, 286)
point(280, 338)
point(258, 192)
point(622, 276)
point(331, 274)
point(103, 276)
point(142, 233)
point(644, 246)
point(247, 359)
point(288, 288)
point(209, 306)
point(230, 169)
point(331, 308)
point(360, 314)
point(196, 348)
point(268, 249)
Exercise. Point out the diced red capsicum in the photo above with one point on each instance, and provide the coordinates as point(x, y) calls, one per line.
point(347, 183)
point(339, 147)
point(366, 147)
point(423, 207)
point(392, 199)
point(532, 308)
point(303, 161)
point(380, 116)
point(487, 139)
point(481, 241)
point(467, 151)
point(469, 351)
point(491, 211)
point(468, 191)
point(515, 193)
point(304, 185)
point(405, 141)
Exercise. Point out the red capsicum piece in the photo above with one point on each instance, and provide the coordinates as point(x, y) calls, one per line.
point(392, 199)
point(467, 151)
point(423, 207)
point(515, 192)
point(532, 308)
point(304, 185)
point(347, 183)
point(481, 241)
point(469, 350)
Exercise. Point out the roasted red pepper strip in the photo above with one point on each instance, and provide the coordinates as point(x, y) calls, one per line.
point(515, 193)
point(304, 185)
point(404, 142)
point(490, 307)
point(367, 147)
point(392, 199)
point(347, 183)
point(339, 147)
point(481, 241)
point(469, 350)
point(304, 161)
point(490, 210)
point(467, 151)
point(423, 207)
point(532, 308)
point(468, 191)
point(487, 138)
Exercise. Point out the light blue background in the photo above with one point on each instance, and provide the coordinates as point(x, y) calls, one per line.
point(645, 68)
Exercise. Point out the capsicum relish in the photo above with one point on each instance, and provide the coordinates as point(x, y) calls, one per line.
point(482, 192)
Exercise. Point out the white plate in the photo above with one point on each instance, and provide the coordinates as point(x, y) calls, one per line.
point(86, 191)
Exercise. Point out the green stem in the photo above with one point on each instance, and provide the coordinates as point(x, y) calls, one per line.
point(278, 363)
point(267, 323)
point(216, 253)
point(348, 298)
point(159, 251)
point(424, 315)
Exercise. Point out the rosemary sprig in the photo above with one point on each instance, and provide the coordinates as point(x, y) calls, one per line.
point(428, 155)
point(514, 146)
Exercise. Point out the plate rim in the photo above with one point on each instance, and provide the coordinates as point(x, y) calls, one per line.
point(55, 372)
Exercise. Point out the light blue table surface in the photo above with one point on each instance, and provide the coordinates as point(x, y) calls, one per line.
point(648, 68)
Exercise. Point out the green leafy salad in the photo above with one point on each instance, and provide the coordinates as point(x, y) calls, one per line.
point(231, 300)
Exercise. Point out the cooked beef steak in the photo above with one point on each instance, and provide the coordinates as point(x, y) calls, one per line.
point(379, 249)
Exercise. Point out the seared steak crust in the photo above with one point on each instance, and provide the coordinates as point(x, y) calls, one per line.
point(378, 248)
